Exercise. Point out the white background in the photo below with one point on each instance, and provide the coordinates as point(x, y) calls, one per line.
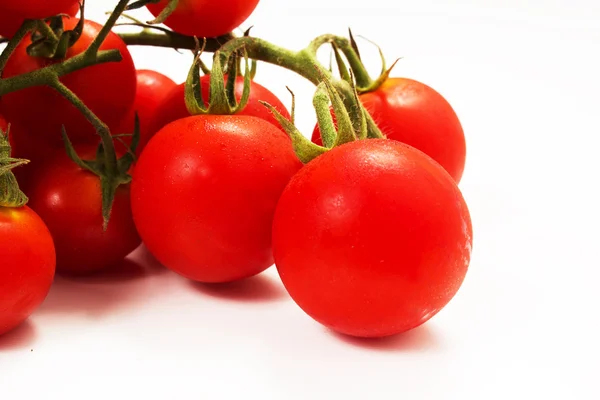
point(524, 78)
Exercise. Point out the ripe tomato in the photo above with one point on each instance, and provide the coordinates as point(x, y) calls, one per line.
point(27, 267)
point(204, 192)
point(107, 89)
point(413, 113)
point(372, 238)
point(206, 18)
point(173, 107)
point(152, 88)
point(37, 9)
point(68, 199)
point(10, 21)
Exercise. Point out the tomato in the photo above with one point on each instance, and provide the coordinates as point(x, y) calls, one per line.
point(37, 9)
point(69, 200)
point(413, 113)
point(173, 107)
point(372, 238)
point(206, 18)
point(152, 88)
point(107, 89)
point(10, 21)
point(204, 192)
point(27, 267)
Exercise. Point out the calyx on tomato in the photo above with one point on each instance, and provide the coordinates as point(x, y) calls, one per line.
point(351, 124)
point(364, 82)
point(222, 99)
point(112, 171)
point(54, 42)
point(10, 194)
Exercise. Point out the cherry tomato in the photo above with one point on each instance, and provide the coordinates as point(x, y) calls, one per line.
point(372, 238)
point(413, 113)
point(204, 192)
point(10, 21)
point(173, 107)
point(107, 89)
point(152, 88)
point(37, 9)
point(68, 199)
point(27, 267)
point(206, 18)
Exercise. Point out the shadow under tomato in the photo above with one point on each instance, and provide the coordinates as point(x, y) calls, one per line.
point(21, 337)
point(123, 286)
point(420, 339)
point(259, 288)
point(143, 256)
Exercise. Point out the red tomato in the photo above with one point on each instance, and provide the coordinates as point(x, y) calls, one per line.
point(204, 191)
point(37, 9)
point(107, 89)
point(28, 265)
point(413, 113)
point(10, 21)
point(152, 88)
point(206, 18)
point(68, 199)
point(173, 107)
point(372, 238)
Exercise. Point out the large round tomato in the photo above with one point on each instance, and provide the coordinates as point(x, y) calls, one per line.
point(372, 238)
point(204, 192)
point(206, 18)
point(69, 200)
point(27, 267)
point(37, 9)
point(10, 21)
point(173, 106)
point(152, 88)
point(413, 113)
point(107, 89)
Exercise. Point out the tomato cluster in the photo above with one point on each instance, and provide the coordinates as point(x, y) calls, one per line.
point(370, 238)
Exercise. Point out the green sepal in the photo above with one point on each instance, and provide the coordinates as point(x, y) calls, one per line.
point(165, 13)
point(10, 193)
point(109, 183)
point(305, 149)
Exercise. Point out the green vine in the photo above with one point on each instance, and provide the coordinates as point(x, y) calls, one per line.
point(303, 62)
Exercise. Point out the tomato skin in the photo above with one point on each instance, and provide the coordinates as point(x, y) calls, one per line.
point(413, 113)
point(206, 18)
point(152, 88)
point(107, 89)
point(173, 107)
point(204, 192)
point(372, 238)
point(28, 265)
point(37, 9)
point(10, 21)
point(69, 201)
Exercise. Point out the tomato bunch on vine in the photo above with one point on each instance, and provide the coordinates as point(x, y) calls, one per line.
point(363, 218)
